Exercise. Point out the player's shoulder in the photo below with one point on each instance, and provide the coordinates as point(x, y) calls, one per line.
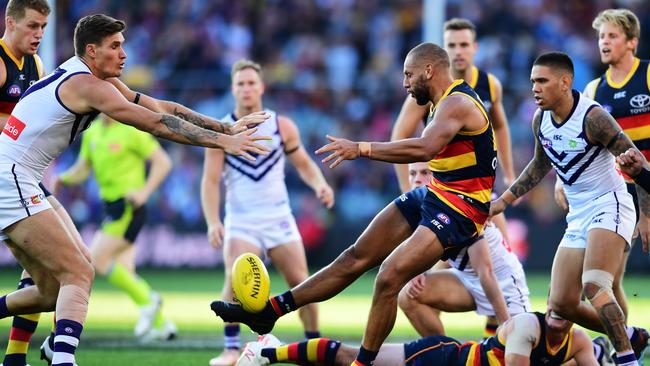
point(590, 89)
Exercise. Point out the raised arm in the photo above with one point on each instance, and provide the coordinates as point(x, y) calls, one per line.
point(601, 128)
point(181, 111)
point(502, 133)
point(534, 172)
point(406, 125)
point(454, 113)
point(307, 169)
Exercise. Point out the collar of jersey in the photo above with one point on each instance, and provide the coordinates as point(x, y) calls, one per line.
point(629, 75)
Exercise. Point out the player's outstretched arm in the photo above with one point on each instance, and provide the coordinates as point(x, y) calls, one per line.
point(406, 125)
point(87, 93)
point(601, 128)
point(181, 111)
point(534, 172)
point(453, 114)
point(307, 169)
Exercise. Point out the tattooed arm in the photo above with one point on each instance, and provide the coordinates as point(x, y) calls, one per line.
point(187, 114)
point(534, 172)
point(602, 128)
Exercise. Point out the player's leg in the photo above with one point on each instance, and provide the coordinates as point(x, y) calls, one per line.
point(386, 231)
point(418, 253)
point(443, 290)
point(602, 260)
point(291, 262)
point(619, 291)
point(236, 243)
point(566, 289)
point(51, 251)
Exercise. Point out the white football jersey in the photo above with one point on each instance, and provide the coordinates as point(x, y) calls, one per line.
point(41, 127)
point(587, 170)
point(256, 189)
point(504, 261)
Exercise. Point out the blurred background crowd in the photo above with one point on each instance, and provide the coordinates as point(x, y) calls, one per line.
point(333, 66)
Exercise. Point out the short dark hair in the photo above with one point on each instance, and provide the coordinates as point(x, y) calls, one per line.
point(460, 24)
point(17, 8)
point(92, 29)
point(555, 60)
point(430, 53)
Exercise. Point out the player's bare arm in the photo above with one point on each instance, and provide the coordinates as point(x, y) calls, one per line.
point(479, 256)
point(582, 349)
point(211, 195)
point(534, 172)
point(406, 125)
point(307, 169)
point(195, 118)
point(85, 93)
point(502, 133)
point(603, 129)
point(455, 113)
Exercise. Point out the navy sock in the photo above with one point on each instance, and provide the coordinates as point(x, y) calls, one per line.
point(4, 312)
point(283, 304)
point(310, 335)
point(365, 357)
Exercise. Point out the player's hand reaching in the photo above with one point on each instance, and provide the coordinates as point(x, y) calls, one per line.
point(243, 144)
point(341, 149)
point(215, 234)
point(137, 198)
point(249, 121)
point(326, 195)
point(416, 286)
point(631, 162)
point(497, 206)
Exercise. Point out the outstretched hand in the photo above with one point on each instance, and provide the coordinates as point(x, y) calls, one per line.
point(249, 121)
point(341, 149)
point(244, 143)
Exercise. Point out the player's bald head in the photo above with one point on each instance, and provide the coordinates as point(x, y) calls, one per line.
point(428, 54)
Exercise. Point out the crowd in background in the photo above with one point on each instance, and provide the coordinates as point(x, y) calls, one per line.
point(333, 66)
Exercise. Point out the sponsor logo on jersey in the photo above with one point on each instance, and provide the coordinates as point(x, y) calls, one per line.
point(21, 77)
point(33, 200)
point(14, 90)
point(437, 224)
point(640, 101)
point(607, 107)
point(619, 95)
point(444, 218)
point(547, 143)
point(13, 128)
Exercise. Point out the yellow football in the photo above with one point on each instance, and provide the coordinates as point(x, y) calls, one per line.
point(250, 282)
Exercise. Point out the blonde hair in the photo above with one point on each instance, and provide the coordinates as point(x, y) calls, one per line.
point(460, 24)
point(625, 19)
point(246, 64)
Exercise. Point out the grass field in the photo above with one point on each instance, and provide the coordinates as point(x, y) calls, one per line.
point(108, 339)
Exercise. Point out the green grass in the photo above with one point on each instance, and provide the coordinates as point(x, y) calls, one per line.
point(108, 340)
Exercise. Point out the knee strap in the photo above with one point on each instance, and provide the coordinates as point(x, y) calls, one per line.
point(603, 279)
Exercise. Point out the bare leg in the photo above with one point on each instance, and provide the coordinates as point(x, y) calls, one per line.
point(605, 253)
point(566, 288)
point(290, 260)
point(443, 291)
point(619, 291)
point(417, 254)
point(386, 231)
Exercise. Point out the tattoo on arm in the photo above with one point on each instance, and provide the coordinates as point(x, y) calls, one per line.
point(613, 320)
point(198, 121)
point(194, 134)
point(603, 128)
point(536, 169)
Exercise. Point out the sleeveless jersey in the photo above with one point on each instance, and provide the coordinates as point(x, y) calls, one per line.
point(504, 261)
point(587, 170)
point(629, 103)
point(464, 170)
point(483, 85)
point(41, 127)
point(492, 350)
point(256, 189)
point(21, 74)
